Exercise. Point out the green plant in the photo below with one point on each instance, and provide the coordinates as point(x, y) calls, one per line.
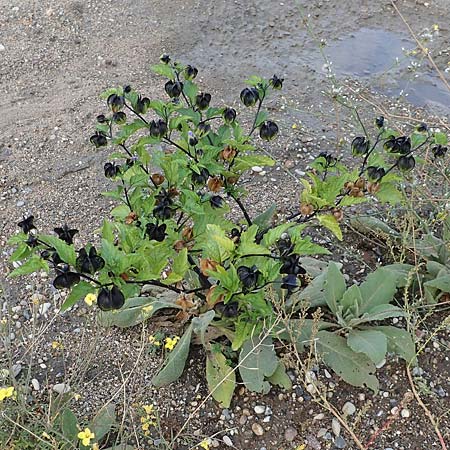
point(171, 243)
point(347, 339)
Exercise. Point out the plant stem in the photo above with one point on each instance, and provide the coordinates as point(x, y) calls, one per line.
point(242, 207)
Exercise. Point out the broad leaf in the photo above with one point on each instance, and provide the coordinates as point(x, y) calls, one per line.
point(354, 368)
point(330, 222)
point(69, 424)
point(442, 283)
point(379, 312)
point(137, 310)
point(200, 324)
point(334, 287)
point(221, 378)
point(33, 264)
point(257, 361)
point(379, 288)
point(280, 377)
point(371, 343)
point(399, 342)
point(104, 421)
point(176, 361)
point(78, 292)
point(65, 251)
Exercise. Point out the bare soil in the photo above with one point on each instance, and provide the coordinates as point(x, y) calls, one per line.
point(56, 57)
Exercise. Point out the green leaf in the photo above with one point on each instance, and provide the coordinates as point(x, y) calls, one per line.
point(245, 162)
point(351, 302)
point(65, 251)
point(127, 130)
point(33, 264)
point(200, 324)
point(221, 378)
point(261, 117)
point(301, 332)
point(78, 292)
point(263, 219)
point(21, 252)
point(442, 283)
point(176, 361)
point(191, 90)
point(137, 310)
point(379, 312)
point(280, 377)
point(330, 222)
point(163, 69)
point(69, 424)
point(399, 342)
point(257, 360)
point(334, 287)
point(374, 225)
point(354, 368)
point(244, 331)
point(371, 343)
point(379, 288)
point(104, 421)
point(440, 138)
point(389, 193)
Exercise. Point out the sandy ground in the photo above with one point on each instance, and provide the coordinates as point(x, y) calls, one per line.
point(56, 57)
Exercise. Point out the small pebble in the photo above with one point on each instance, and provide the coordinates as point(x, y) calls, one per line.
point(259, 409)
point(242, 420)
point(2, 48)
point(61, 388)
point(35, 384)
point(319, 416)
point(340, 442)
point(290, 434)
point(336, 427)
point(227, 441)
point(257, 429)
point(405, 413)
point(348, 409)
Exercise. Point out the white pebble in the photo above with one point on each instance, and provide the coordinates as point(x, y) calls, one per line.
point(405, 413)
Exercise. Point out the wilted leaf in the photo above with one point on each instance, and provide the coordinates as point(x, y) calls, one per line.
point(221, 378)
point(200, 324)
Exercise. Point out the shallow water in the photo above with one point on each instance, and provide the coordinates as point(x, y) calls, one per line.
point(379, 55)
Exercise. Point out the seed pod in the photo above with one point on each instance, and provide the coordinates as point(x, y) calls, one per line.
point(65, 233)
point(192, 139)
point(360, 183)
point(98, 139)
point(379, 122)
point(229, 115)
point(164, 58)
point(158, 128)
point(202, 101)
point(115, 102)
point(248, 276)
point(306, 209)
point(439, 151)
point(156, 232)
point(173, 88)
point(249, 96)
point(101, 118)
point(119, 118)
point(360, 146)
point(216, 201)
point(338, 214)
point(215, 184)
point(142, 105)
point(375, 173)
point(406, 163)
point(27, 224)
point(373, 188)
point(268, 130)
point(190, 72)
point(111, 170)
point(200, 178)
point(228, 153)
point(207, 265)
point(276, 83)
point(158, 179)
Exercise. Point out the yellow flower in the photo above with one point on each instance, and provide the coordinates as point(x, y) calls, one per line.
point(86, 436)
point(147, 309)
point(204, 444)
point(90, 299)
point(170, 343)
point(76, 397)
point(301, 447)
point(149, 409)
point(145, 426)
point(153, 341)
point(294, 126)
point(95, 446)
point(436, 27)
point(6, 393)
point(57, 345)
point(45, 435)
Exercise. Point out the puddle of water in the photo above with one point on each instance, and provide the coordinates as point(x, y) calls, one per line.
point(378, 55)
